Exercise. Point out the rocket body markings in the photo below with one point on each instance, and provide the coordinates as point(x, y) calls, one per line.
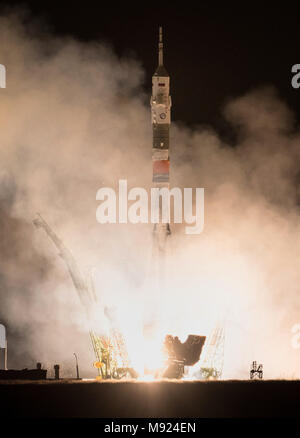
point(161, 121)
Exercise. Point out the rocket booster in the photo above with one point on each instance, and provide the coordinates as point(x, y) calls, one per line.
point(161, 120)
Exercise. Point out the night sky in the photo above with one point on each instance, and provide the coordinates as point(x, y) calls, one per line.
point(212, 52)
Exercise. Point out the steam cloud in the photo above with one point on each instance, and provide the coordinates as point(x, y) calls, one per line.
point(74, 118)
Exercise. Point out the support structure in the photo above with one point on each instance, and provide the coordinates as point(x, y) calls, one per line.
point(211, 367)
point(256, 371)
point(110, 351)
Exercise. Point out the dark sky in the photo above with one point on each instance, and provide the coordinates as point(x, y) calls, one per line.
point(212, 52)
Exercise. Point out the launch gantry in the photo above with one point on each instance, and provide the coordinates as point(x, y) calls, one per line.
point(110, 350)
point(211, 367)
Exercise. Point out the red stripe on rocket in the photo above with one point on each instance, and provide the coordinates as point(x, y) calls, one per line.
point(161, 167)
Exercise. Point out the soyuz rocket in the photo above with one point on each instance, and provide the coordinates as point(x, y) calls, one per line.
point(161, 121)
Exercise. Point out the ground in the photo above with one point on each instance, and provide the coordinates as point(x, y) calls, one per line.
point(160, 399)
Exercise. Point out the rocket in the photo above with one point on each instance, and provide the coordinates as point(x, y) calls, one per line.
point(161, 121)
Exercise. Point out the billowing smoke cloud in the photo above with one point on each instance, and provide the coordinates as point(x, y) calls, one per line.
point(74, 118)
point(247, 256)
